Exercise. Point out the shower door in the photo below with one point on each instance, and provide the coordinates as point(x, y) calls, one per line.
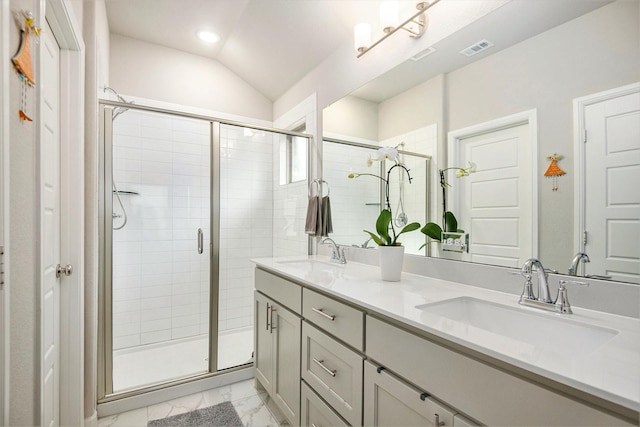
point(187, 202)
point(159, 221)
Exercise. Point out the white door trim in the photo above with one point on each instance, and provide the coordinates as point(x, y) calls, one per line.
point(5, 70)
point(65, 28)
point(529, 117)
point(579, 153)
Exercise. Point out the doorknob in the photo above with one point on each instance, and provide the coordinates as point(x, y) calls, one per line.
point(66, 270)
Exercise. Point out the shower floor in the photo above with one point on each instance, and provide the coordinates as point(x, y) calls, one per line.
point(150, 364)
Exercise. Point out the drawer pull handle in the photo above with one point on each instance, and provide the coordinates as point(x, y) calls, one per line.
point(331, 317)
point(327, 370)
point(267, 315)
point(313, 425)
point(437, 422)
point(271, 327)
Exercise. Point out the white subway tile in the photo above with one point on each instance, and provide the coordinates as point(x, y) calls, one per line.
point(155, 336)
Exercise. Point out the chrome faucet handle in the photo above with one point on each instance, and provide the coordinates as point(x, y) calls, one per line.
point(562, 301)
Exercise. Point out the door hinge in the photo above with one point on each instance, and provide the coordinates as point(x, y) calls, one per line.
point(585, 136)
point(584, 238)
point(1, 267)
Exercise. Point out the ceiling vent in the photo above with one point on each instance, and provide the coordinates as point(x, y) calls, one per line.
point(428, 51)
point(476, 48)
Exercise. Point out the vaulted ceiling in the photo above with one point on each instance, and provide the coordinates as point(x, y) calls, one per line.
point(272, 44)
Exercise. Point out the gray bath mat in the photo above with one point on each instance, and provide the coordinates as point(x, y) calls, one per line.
point(222, 414)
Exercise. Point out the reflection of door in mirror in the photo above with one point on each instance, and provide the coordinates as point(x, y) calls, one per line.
point(612, 173)
point(495, 204)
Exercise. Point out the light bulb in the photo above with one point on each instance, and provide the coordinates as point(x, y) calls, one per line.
point(389, 16)
point(208, 36)
point(362, 36)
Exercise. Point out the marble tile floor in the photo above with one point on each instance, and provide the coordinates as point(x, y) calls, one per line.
point(249, 402)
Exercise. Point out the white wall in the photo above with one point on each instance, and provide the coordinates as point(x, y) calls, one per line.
point(151, 71)
point(352, 116)
point(24, 398)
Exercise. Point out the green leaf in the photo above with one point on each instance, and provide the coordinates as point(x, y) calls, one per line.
point(450, 222)
point(382, 225)
point(432, 230)
point(409, 227)
point(375, 238)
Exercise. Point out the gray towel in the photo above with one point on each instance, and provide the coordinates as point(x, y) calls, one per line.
point(327, 225)
point(313, 223)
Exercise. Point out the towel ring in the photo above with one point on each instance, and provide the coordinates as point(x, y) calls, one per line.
point(318, 184)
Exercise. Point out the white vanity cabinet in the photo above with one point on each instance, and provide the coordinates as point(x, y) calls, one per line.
point(389, 401)
point(277, 344)
point(334, 371)
point(325, 361)
point(491, 395)
point(314, 412)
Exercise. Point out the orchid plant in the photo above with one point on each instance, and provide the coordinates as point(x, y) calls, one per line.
point(386, 233)
point(449, 221)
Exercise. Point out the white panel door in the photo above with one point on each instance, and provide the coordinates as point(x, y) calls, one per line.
point(494, 204)
point(612, 175)
point(50, 228)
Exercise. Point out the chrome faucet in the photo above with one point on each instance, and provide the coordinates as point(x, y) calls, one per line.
point(543, 285)
point(337, 255)
point(543, 300)
point(580, 256)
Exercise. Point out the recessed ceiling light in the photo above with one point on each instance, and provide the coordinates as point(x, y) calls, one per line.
point(208, 36)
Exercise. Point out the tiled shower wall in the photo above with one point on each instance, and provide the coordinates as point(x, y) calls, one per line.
point(161, 283)
point(246, 218)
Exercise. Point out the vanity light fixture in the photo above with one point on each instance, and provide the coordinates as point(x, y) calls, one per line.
point(415, 25)
point(208, 36)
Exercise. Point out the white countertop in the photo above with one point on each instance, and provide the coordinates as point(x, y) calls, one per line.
point(610, 371)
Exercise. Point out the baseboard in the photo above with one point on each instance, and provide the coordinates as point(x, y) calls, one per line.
point(92, 421)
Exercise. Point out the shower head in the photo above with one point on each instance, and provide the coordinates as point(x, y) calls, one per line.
point(118, 110)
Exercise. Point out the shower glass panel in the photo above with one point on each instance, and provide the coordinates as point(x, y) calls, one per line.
point(258, 215)
point(160, 248)
point(356, 203)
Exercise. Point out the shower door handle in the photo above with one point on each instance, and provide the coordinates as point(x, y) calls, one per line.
point(200, 241)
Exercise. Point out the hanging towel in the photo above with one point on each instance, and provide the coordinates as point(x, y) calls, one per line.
point(327, 224)
point(313, 222)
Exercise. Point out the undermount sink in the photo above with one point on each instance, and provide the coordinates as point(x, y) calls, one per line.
point(476, 318)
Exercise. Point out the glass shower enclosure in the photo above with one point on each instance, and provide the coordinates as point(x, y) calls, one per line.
point(186, 202)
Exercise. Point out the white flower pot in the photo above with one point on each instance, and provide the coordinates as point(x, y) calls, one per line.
point(391, 258)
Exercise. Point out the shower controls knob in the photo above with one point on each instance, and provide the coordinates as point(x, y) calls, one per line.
point(67, 270)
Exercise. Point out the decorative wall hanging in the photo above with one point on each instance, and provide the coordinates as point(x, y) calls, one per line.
point(554, 170)
point(22, 59)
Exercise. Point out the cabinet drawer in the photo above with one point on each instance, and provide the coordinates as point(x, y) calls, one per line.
point(462, 382)
point(390, 401)
point(315, 412)
point(340, 320)
point(334, 371)
point(281, 290)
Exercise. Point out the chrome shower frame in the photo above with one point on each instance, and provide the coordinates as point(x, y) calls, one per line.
point(106, 395)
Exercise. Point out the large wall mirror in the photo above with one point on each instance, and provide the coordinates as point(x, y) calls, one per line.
point(551, 69)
